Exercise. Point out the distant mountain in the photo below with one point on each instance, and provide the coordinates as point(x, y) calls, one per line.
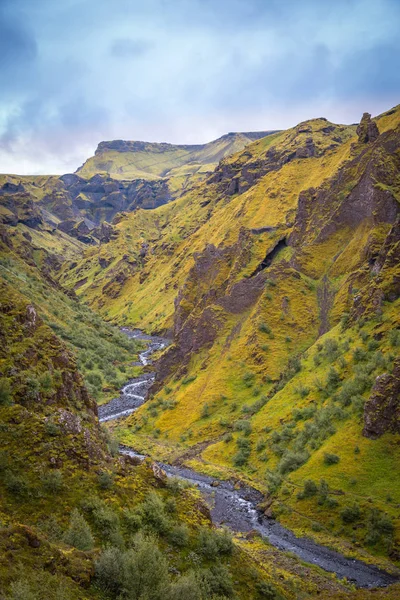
point(121, 177)
point(130, 160)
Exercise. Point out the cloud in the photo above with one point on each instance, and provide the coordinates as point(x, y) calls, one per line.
point(75, 72)
point(128, 48)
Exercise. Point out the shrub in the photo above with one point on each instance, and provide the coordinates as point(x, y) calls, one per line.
point(52, 481)
point(205, 412)
point(5, 391)
point(46, 382)
point(21, 590)
point(216, 582)
point(333, 379)
point(274, 480)
point(79, 534)
point(52, 428)
point(94, 379)
point(109, 570)
point(331, 459)
point(261, 444)
point(153, 513)
point(106, 520)
point(379, 525)
point(310, 489)
point(241, 458)
point(264, 328)
point(144, 570)
point(350, 514)
point(359, 355)
point(394, 338)
point(266, 591)
point(331, 349)
point(179, 536)
point(291, 461)
point(248, 379)
point(51, 528)
point(243, 426)
point(302, 390)
point(132, 520)
point(15, 484)
point(186, 588)
point(304, 413)
point(213, 543)
point(105, 480)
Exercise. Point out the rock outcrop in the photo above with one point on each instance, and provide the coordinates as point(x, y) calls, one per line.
point(367, 130)
point(382, 410)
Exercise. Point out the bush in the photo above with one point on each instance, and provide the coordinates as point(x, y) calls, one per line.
point(179, 536)
point(331, 349)
point(105, 480)
point(332, 380)
point(79, 533)
point(264, 328)
point(46, 382)
point(205, 411)
point(310, 489)
point(302, 391)
point(274, 480)
point(5, 391)
point(291, 461)
point(15, 484)
point(261, 445)
point(241, 458)
point(212, 544)
point(21, 590)
point(359, 355)
point(379, 525)
point(145, 570)
point(248, 379)
point(266, 591)
point(216, 582)
point(186, 588)
point(109, 570)
point(243, 426)
point(331, 459)
point(52, 428)
point(106, 521)
point(94, 379)
point(153, 513)
point(52, 481)
point(394, 338)
point(350, 514)
point(303, 414)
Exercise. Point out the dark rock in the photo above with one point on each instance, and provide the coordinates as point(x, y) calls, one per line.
point(367, 130)
point(382, 409)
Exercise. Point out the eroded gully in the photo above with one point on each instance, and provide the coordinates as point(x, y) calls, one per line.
point(236, 507)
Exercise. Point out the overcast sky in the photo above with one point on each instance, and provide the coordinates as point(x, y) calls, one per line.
point(75, 72)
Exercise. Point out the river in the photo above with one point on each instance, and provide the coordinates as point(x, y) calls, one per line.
point(237, 508)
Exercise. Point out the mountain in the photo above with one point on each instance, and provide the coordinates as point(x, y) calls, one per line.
point(129, 160)
point(278, 278)
point(138, 175)
point(275, 271)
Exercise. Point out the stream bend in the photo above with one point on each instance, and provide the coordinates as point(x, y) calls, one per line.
point(236, 507)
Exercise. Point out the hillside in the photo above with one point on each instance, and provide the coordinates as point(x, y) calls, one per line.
point(278, 279)
point(275, 272)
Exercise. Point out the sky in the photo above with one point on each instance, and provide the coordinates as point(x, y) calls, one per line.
point(76, 72)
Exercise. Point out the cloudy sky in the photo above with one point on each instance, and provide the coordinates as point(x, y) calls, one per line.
point(75, 72)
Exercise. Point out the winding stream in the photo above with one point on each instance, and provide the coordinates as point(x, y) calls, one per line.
point(236, 508)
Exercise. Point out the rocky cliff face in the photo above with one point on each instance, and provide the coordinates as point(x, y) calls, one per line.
point(382, 409)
